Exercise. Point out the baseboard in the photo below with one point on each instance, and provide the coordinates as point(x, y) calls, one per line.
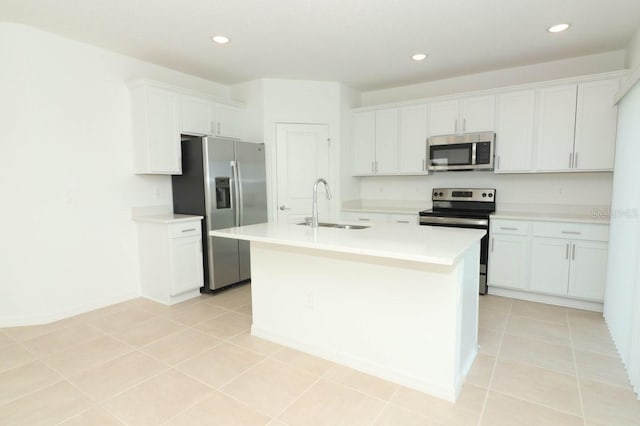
point(59, 315)
point(546, 298)
point(362, 365)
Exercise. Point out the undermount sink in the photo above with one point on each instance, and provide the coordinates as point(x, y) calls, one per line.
point(336, 225)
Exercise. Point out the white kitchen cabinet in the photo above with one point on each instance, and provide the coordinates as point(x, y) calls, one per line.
point(569, 260)
point(514, 132)
point(364, 143)
point(386, 141)
point(466, 115)
point(228, 121)
point(596, 122)
point(171, 258)
point(197, 116)
point(364, 217)
point(556, 126)
point(404, 219)
point(156, 129)
point(412, 139)
point(509, 253)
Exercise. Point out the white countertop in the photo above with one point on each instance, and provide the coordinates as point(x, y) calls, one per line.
point(167, 218)
point(555, 213)
point(425, 244)
point(385, 206)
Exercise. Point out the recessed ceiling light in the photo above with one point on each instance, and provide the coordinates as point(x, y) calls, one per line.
point(419, 57)
point(220, 39)
point(558, 28)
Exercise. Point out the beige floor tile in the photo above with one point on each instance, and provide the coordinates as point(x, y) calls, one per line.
point(493, 320)
point(219, 409)
point(601, 368)
point(539, 353)
point(269, 387)
point(393, 415)
point(593, 339)
point(256, 344)
point(539, 311)
point(61, 339)
point(303, 361)
point(537, 385)
point(230, 299)
point(544, 330)
point(328, 403)
point(481, 370)
point(465, 411)
point(489, 340)
point(29, 332)
point(217, 366)
point(194, 313)
point(25, 379)
point(48, 406)
point(5, 339)
point(158, 399)
point(117, 375)
point(589, 319)
point(609, 405)
point(362, 382)
point(148, 305)
point(276, 422)
point(244, 309)
point(88, 355)
point(495, 303)
point(87, 317)
point(180, 346)
point(14, 355)
point(502, 410)
point(149, 331)
point(93, 417)
point(227, 325)
point(121, 321)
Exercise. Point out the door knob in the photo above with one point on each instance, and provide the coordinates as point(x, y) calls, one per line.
point(283, 207)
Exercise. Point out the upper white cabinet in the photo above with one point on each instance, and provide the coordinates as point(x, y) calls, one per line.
point(364, 143)
point(197, 116)
point(577, 126)
point(467, 115)
point(412, 139)
point(156, 129)
point(556, 125)
point(390, 141)
point(596, 122)
point(514, 132)
point(228, 122)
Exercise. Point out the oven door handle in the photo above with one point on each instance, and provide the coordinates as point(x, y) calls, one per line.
point(435, 220)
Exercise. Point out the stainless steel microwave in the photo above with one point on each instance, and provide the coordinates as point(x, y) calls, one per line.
point(470, 151)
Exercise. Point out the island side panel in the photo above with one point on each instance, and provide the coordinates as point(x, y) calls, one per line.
point(398, 320)
point(469, 282)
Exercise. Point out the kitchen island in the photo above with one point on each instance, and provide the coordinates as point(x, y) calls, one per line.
point(398, 302)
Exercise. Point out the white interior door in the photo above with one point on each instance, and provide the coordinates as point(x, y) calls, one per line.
point(302, 156)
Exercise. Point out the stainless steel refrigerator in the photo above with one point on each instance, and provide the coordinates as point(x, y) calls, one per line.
point(224, 181)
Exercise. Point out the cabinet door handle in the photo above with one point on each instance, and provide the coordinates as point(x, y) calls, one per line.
point(364, 219)
point(423, 165)
point(573, 252)
point(189, 230)
point(218, 128)
point(508, 228)
point(464, 125)
point(571, 160)
point(492, 240)
point(575, 162)
point(497, 162)
point(376, 166)
point(566, 252)
point(373, 167)
point(571, 232)
point(402, 221)
point(455, 126)
point(283, 208)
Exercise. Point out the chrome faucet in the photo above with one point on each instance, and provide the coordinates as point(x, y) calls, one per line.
point(314, 208)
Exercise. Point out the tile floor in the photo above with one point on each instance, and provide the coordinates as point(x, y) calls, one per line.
point(143, 363)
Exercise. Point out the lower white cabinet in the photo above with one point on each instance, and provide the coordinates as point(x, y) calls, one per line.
point(171, 259)
point(553, 258)
point(365, 217)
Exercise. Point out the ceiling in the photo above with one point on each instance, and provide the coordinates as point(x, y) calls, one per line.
point(365, 44)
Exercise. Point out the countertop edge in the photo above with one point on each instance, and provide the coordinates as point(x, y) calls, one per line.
point(544, 217)
point(167, 219)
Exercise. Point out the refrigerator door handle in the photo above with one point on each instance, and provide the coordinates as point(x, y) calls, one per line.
point(236, 192)
point(240, 209)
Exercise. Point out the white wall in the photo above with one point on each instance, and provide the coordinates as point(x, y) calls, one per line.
point(633, 52)
point(68, 242)
point(592, 64)
point(574, 189)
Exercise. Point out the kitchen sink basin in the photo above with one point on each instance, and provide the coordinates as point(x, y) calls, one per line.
point(336, 225)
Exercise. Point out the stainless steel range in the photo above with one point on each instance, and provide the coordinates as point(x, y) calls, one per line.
point(464, 208)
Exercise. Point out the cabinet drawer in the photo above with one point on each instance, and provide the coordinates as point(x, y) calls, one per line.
point(511, 227)
point(185, 229)
point(365, 217)
point(404, 219)
point(574, 231)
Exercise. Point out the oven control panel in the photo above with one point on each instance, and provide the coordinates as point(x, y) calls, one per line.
point(464, 194)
